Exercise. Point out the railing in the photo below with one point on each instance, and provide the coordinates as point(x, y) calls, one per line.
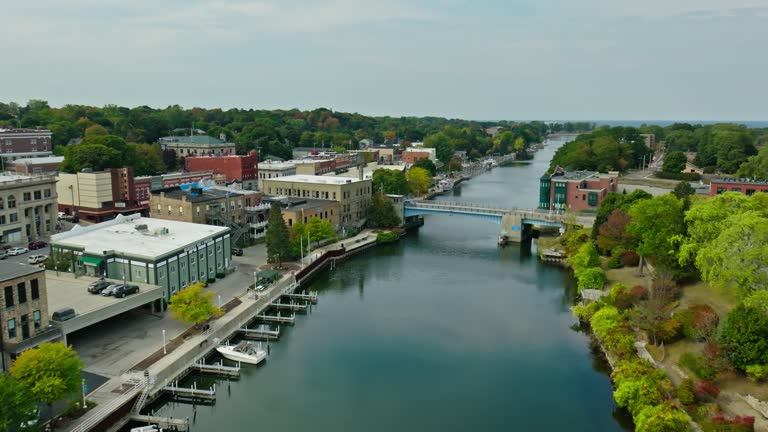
point(108, 409)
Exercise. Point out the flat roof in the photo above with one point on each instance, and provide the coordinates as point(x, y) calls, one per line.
point(740, 181)
point(13, 270)
point(313, 179)
point(293, 203)
point(121, 235)
point(276, 165)
point(8, 177)
point(39, 160)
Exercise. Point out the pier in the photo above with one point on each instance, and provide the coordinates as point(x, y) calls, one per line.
point(191, 394)
point(290, 306)
point(276, 318)
point(218, 369)
point(165, 423)
point(260, 334)
point(310, 297)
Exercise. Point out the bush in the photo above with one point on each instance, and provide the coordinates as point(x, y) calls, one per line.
point(698, 365)
point(669, 330)
point(757, 373)
point(610, 328)
point(678, 176)
point(685, 392)
point(698, 321)
point(630, 259)
point(586, 258)
point(706, 389)
point(585, 312)
point(743, 337)
point(386, 237)
point(721, 423)
point(591, 278)
point(661, 418)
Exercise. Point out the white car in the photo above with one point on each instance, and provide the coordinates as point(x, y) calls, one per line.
point(36, 259)
point(17, 251)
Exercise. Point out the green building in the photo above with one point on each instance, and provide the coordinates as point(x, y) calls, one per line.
point(161, 252)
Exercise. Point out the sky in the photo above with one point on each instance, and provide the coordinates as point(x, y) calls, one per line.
point(481, 59)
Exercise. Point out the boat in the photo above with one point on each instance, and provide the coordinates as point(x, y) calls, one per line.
point(244, 352)
point(503, 239)
point(490, 163)
point(150, 428)
point(445, 185)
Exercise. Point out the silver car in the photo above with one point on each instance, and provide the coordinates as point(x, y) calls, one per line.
point(17, 251)
point(110, 290)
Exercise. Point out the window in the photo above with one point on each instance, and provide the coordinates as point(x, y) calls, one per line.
point(38, 195)
point(9, 296)
point(11, 201)
point(37, 319)
point(750, 192)
point(2, 219)
point(12, 328)
point(2, 203)
point(33, 141)
point(33, 284)
point(21, 289)
point(191, 259)
point(721, 190)
point(181, 211)
point(27, 196)
point(182, 265)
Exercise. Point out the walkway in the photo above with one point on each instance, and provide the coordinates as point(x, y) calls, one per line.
point(496, 214)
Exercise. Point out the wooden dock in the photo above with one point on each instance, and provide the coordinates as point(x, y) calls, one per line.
point(260, 334)
point(165, 423)
point(310, 297)
point(290, 319)
point(218, 369)
point(191, 394)
point(298, 307)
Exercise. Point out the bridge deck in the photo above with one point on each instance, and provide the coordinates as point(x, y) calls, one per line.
point(532, 217)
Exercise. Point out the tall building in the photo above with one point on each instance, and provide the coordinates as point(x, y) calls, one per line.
point(27, 207)
point(270, 169)
point(575, 190)
point(197, 145)
point(353, 194)
point(98, 196)
point(23, 311)
point(239, 169)
point(24, 143)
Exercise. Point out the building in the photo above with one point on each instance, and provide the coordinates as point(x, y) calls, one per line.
point(24, 143)
point(303, 152)
point(296, 210)
point(742, 185)
point(98, 196)
point(144, 184)
point(690, 166)
point(353, 194)
point(270, 169)
point(412, 154)
point(37, 165)
point(314, 167)
point(239, 169)
point(575, 190)
point(650, 140)
point(194, 204)
point(388, 154)
point(24, 313)
point(160, 252)
point(27, 207)
point(197, 145)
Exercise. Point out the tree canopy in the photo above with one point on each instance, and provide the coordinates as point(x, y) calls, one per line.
point(17, 406)
point(193, 304)
point(277, 237)
point(674, 162)
point(391, 181)
point(419, 180)
point(655, 222)
point(382, 212)
point(604, 149)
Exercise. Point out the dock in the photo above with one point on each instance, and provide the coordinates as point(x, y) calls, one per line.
point(218, 369)
point(290, 319)
point(260, 334)
point(291, 306)
point(165, 423)
point(191, 394)
point(310, 297)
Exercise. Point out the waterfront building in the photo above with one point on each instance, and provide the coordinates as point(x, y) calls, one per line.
point(270, 169)
point(353, 195)
point(296, 210)
point(98, 196)
point(742, 185)
point(23, 311)
point(27, 207)
point(197, 145)
point(37, 165)
point(236, 169)
point(23, 143)
point(413, 154)
point(575, 190)
point(161, 252)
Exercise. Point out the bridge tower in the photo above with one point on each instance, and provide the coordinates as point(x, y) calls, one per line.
point(513, 228)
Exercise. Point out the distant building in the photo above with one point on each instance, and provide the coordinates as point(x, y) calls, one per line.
point(27, 207)
point(650, 140)
point(691, 167)
point(37, 165)
point(197, 145)
point(24, 143)
point(742, 185)
point(240, 169)
point(388, 154)
point(575, 190)
point(98, 196)
point(23, 311)
point(144, 184)
point(353, 195)
point(270, 169)
point(411, 155)
point(494, 130)
point(296, 210)
point(314, 166)
point(366, 156)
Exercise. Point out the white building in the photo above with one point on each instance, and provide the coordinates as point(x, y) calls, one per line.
point(270, 170)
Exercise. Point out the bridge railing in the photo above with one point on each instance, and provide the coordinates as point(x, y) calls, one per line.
point(496, 210)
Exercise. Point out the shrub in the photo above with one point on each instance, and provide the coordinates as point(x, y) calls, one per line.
point(743, 337)
point(630, 259)
point(661, 418)
point(698, 321)
point(757, 373)
point(639, 292)
point(591, 278)
point(624, 298)
point(586, 311)
point(722, 423)
point(586, 257)
point(609, 327)
point(706, 389)
point(669, 330)
point(678, 176)
point(637, 384)
point(698, 365)
point(685, 392)
point(386, 237)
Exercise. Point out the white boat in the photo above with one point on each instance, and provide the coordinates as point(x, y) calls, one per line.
point(244, 352)
point(445, 185)
point(490, 163)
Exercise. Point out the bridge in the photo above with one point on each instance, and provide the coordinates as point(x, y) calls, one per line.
point(516, 224)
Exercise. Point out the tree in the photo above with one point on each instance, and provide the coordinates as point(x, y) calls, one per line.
point(651, 316)
point(613, 201)
point(419, 180)
point(169, 159)
point(443, 146)
point(147, 159)
point(60, 261)
point(743, 336)
point(586, 257)
point(17, 406)
point(661, 418)
point(382, 212)
point(683, 190)
point(674, 162)
point(390, 181)
point(95, 130)
point(756, 167)
point(320, 229)
point(49, 372)
point(93, 156)
point(427, 164)
point(277, 237)
point(193, 305)
point(655, 222)
point(614, 233)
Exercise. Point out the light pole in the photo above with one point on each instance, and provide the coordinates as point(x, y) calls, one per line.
point(164, 350)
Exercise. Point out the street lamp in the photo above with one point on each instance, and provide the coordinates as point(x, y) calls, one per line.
point(164, 350)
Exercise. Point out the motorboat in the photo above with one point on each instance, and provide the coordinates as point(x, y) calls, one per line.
point(445, 185)
point(244, 352)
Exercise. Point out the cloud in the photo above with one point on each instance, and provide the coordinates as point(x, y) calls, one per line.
point(671, 8)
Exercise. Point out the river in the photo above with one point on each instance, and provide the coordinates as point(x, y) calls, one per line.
point(443, 331)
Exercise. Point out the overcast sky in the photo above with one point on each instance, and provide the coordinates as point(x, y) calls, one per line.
point(480, 59)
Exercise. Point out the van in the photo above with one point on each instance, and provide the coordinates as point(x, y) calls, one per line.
point(63, 314)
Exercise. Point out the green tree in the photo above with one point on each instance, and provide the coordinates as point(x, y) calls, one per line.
point(683, 190)
point(93, 156)
point(95, 130)
point(17, 406)
point(193, 305)
point(755, 167)
point(428, 165)
point(390, 181)
point(661, 418)
point(277, 237)
point(655, 222)
point(419, 180)
point(60, 261)
point(50, 372)
point(613, 201)
point(674, 162)
point(320, 229)
point(382, 212)
point(146, 159)
point(443, 146)
point(586, 257)
point(743, 337)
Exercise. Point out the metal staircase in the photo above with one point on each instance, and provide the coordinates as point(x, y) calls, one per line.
point(147, 383)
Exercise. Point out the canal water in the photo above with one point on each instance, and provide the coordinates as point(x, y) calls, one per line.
point(443, 331)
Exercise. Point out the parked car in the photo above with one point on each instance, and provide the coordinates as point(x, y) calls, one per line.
point(98, 286)
point(237, 252)
point(36, 259)
point(63, 314)
point(17, 251)
point(124, 290)
point(37, 245)
point(110, 290)
point(3, 255)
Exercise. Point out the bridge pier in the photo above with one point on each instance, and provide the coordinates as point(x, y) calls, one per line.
point(514, 229)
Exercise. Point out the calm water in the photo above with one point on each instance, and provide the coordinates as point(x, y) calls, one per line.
point(440, 332)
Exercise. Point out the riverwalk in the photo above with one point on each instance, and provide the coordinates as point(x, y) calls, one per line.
point(117, 397)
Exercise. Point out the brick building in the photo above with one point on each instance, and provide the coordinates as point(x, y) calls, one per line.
point(27, 207)
point(143, 185)
point(23, 311)
point(296, 210)
point(23, 143)
point(575, 190)
point(37, 165)
point(197, 204)
point(236, 168)
point(745, 186)
point(98, 196)
point(413, 154)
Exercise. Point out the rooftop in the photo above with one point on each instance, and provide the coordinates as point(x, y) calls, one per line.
point(13, 270)
point(194, 139)
point(313, 179)
point(39, 160)
point(293, 203)
point(7, 178)
point(276, 165)
point(121, 235)
point(744, 181)
point(24, 131)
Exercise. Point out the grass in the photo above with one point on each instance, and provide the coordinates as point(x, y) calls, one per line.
point(629, 276)
point(655, 182)
point(701, 293)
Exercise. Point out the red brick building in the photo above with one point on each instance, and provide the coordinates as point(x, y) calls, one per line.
point(412, 155)
point(745, 186)
point(24, 143)
point(575, 190)
point(237, 168)
point(37, 165)
point(143, 185)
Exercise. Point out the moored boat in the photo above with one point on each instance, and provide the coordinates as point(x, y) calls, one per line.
point(244, 352)
point(445, 185)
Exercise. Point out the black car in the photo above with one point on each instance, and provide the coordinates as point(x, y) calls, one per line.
point(98, 286)
point(124, 290)
point(237, 252)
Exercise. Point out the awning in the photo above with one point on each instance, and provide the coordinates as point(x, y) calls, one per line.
point(92, 261)
point(267, 274)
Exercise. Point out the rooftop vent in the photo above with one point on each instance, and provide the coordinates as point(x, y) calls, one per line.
point(141, 227)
